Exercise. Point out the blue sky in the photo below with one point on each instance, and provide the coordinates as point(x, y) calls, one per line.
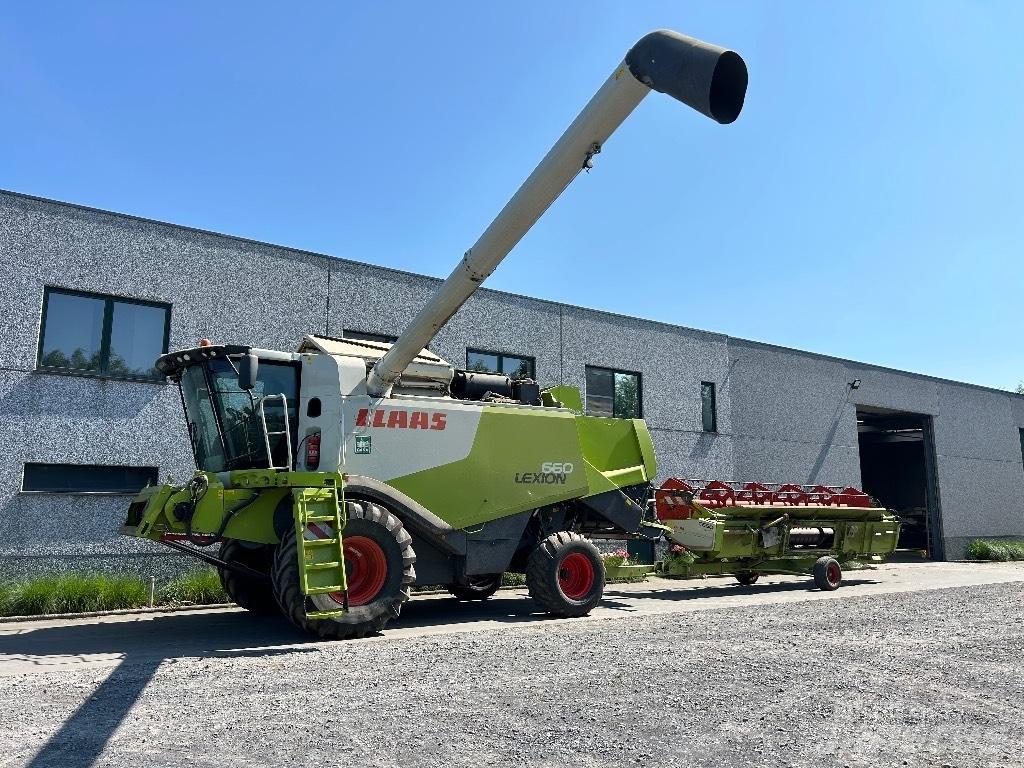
point(867, 203)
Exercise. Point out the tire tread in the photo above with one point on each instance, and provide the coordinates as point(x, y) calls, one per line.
point(250, 594)
point(542, 579)
point(359, 621)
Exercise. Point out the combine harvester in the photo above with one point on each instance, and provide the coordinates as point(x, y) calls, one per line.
point(334, 478)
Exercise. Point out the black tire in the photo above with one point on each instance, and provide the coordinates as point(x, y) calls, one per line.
point(828, 574)
point(747, 578)
point(365, 519)
point(253, 594)
point(566, 562)
point(478, 588)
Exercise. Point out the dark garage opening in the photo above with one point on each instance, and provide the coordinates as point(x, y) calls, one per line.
point(897, 467)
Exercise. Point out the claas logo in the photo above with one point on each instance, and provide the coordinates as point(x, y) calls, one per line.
point(385, 418)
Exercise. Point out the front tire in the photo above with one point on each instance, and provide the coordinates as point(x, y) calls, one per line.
point(478, 588)
point(379, 566)
point(254, 594)
point(565, 575)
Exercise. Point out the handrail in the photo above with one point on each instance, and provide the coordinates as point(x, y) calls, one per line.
point(266, 433)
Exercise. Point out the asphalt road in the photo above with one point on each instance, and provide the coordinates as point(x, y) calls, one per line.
point(918, 663)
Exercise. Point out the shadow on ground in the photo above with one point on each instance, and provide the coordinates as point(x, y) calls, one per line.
point(142, 644)
point(238, 633)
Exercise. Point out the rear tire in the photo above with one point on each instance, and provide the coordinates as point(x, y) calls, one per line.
point(565, 575)
point(478, 588)
point(828, 574)
point(747, 578)
point(391, 571)
point(253, 594)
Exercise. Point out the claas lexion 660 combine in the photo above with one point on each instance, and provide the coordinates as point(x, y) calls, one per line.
point(334, 478)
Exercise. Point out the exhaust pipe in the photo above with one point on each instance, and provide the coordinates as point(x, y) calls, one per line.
point(706, 77)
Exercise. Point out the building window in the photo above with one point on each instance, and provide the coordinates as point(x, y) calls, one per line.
point(708, 408)
point(102, 335)
point(513, 366)
point(86, 478)
point(360, 336)
point(613, 393)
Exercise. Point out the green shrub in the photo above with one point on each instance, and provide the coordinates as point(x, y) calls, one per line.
point(87, 592)
point(72, 593)
point(199, 587)
point(1000, 550)
point(7, 590)
point(513, 580)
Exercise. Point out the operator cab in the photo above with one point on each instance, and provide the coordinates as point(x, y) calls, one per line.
point(241, 405)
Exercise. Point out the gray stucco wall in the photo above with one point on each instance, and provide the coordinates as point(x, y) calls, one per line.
point(797, 418)
point(793, 417)
point(783, 415)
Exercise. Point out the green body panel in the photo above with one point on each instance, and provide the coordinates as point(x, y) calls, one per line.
point(618, 452)
point(253, 495)
point(502, 475)
point(568, 397)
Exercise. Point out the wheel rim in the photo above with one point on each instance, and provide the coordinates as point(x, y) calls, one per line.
point(833, 573)
point(576, 576)
point(366, 570)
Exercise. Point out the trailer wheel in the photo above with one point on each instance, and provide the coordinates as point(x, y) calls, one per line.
point(565, 574)
point(478, 588)
point(379, 566)
point(253, 594)
point(828, 574)
point(746, 578)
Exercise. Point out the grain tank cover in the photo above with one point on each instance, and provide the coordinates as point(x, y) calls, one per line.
point(426, 371)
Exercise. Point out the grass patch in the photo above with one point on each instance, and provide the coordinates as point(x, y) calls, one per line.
point(72, 593)
point(999, 550)
point(87, 592)
point(198, 587)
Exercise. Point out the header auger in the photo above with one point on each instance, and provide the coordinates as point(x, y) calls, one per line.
point(336, 477)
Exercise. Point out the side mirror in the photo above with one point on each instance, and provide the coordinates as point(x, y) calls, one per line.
point(248, 369)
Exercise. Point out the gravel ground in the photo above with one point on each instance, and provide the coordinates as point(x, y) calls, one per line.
point(917, 678)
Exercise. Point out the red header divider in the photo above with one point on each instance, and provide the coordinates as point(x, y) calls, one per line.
point(673, 500)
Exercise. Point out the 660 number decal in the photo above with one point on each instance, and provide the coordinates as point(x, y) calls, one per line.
point(557, 467)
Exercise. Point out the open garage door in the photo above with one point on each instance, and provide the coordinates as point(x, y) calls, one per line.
point(897, 467)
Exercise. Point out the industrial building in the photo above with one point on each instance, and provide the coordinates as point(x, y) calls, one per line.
point(89, 299)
